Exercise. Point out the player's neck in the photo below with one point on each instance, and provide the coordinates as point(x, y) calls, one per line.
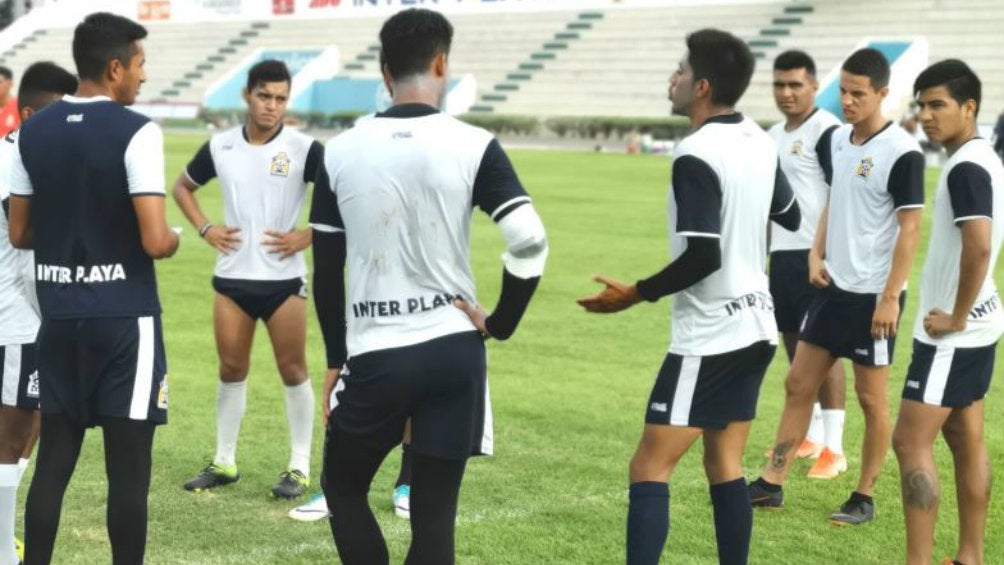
point(966, 135)
point(90, 89)
point(794, 121)
point(868, 127)
point(259, 136)
point(416, 94)
point(701, 114)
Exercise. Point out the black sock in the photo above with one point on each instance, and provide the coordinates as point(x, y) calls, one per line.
point(349, 467)
point(858, 497)
point(404, 476)
point(767, 486)
point(647, 522)
point(733, 521)
point(58, 449)
point(434, 509)
point(128, 459)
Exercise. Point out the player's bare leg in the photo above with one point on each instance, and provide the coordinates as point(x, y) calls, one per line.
point(15, 435)
point(723, 458)
point(827, 424)
point(871, 385)
point(964, 433)
point(659, 450)
point(287, 329)
point(234, 331)
point(917, 427)
point(808, 370)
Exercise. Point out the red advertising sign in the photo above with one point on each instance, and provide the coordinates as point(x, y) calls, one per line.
point(324, 4)
point(150, 10)
point(283, 7)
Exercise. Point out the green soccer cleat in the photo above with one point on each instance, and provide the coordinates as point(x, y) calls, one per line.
point(291, 484)
point(213, 476)
point(19, 548)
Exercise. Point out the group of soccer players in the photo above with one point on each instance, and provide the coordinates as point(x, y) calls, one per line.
point(403, 331)
point(849, 199)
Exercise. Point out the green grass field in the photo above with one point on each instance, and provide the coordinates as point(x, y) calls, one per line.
point(569, 392)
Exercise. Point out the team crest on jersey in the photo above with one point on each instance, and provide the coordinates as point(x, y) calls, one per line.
point(162, 394)
point(865, 167)
point(32, 391)
point(280, 165)
point(797, 148)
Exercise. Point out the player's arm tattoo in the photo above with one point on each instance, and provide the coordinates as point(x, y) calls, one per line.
point(780, 455)
point(920, 490)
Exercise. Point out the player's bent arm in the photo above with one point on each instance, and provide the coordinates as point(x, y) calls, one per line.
point(904, 252)
point(784, 210)
point(19, 225)
point(702, 257)
point(973, 266)
point(184, 196)
point(525, 256)
point(329, 293)
point(159, 241)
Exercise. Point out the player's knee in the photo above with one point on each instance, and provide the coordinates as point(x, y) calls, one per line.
point(905, 443)
point(233, 371)
point(874, 404)
point(799, 388)
point(643, 467)
point(293, 372)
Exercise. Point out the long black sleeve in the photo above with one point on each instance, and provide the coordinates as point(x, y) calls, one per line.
point(329, 293)
point(702, 257)
point(513, 300)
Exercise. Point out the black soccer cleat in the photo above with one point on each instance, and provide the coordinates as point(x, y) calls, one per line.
point(761, 497)
point(291, 484)
point(854, 512)
point(211, 477)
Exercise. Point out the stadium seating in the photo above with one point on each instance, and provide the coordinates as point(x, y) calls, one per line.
point(596, 62)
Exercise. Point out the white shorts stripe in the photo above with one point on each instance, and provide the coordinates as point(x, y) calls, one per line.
point(937, 378)
point(11, 374)
point(488, 436)
point(881, 349)
point(683, 396)
point(143, 383)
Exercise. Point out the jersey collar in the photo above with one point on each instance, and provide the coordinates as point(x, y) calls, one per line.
point(411, 110)
point(79, 100)
point(733, 118)
point(870, 137)
point(244, 134)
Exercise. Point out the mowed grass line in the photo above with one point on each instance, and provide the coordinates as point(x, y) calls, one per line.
point(568, 392)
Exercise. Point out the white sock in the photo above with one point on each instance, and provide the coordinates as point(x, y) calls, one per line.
point(9, 479)
point(22, 466)
point(231, 401)
point(833, 421)
point(815, 434)
point(300, 416)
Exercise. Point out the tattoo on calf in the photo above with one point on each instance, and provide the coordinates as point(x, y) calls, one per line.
point(780, 455)
point(920, 490)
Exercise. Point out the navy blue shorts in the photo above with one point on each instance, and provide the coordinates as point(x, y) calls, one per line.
point(841, 323)
point(19, 376)
point(790, 288)
point(98, 368)
point(953, 377)
point(709, 391)
point(260, 299)
point(440, 384)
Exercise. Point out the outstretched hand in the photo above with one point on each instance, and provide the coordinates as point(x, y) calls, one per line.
point(616, 296)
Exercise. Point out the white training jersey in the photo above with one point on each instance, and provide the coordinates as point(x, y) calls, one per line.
point(263, 188)
point(871, 183)
point(724, 177)
point(971, 187)
point(804, 153)
point(19, 318)
point(402, 186)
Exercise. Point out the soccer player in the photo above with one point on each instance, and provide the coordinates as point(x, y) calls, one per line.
point(803, 145)
point(10, 116)
point(861, 257)
point(955, 337)
point(41, 85)
point(395, 210)
point(87, 194)
point(726, 186)
point(263, 169)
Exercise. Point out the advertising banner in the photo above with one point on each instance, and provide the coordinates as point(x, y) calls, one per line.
point(153, 10)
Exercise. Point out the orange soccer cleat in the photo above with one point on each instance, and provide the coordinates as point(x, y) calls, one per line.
point(828, 466)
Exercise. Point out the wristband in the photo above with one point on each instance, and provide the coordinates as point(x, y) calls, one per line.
point(205, 227)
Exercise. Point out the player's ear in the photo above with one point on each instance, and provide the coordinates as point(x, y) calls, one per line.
point(388, 80)
point(969, 108)
point(439, 65)
point(246, 95)
point(26, 112)
point(883, 92)
point(114, 70)
point(702, 88)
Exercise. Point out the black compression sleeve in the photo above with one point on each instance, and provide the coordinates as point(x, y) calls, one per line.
point(702, 257)
point(515, 297)
point(329, 293)
point(824, 153)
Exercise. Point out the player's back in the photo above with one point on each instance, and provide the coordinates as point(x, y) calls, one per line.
point(730, 308)
point(89, 256)
point(404, 190)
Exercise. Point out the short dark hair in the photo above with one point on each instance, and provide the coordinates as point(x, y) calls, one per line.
point(870, 63)
point(961, 82)
point(724, 60)
point(795, 59)
point(269, 70)
point(102, 38)
point(41, 82)
point(5, 73)
point(411, 39)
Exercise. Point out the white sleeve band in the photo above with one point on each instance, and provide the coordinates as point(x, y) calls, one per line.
point(19, 182)
point(526, 242)
point(144, 161)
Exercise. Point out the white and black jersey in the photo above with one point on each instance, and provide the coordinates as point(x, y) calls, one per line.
point(18, 306)
point(263, 188)
point(81, 161)
point(871, 182)
point(804, 153)
point(402, 186)
point(726, 185)
point(971, 186)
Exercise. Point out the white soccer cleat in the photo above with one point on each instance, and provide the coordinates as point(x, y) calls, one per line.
point(313, 510)
point(402, 501)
